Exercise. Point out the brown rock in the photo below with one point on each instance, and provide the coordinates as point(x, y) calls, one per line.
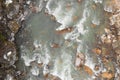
point(104, 60)
point(93, 25)
point(55, 45)
point(88, 70)
point(66, 30)
point(115, 44)
point(107, 75)
point(94, 6)
point(117, 50)
point(96, 67)
point(106, 39)
point(53, 18)
point(97, 51)
point(52, 77)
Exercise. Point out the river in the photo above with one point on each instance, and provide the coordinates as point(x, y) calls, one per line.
point(44, 49)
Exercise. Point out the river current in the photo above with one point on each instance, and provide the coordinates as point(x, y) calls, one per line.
point(42, 43)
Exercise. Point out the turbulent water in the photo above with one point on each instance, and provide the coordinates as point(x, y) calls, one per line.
point(87, 20)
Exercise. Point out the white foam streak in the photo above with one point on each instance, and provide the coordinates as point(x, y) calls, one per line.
point(40, 5)
point(62, 68)
point(98, 1)
point(9, 77)
point(41, 55)
point(80, 25)
point(35, 71)
point(8, 2)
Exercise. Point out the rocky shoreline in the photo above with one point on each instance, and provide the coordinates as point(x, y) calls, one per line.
point(108, 46)
point(12, 16)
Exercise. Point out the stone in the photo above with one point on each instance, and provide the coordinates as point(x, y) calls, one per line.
point(115, 44)
point(53, 77)
point(55, 45)
point(107, 39)
point(97, 51)
point(115, 20)
point(14, 26)
point(65, 30)
point(8, 53)
point(117, 50)
point(80, 60)
point(107, 75)
point(88, 70)
point(96, 67)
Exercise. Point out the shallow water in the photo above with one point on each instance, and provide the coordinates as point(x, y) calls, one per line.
point(87, 19)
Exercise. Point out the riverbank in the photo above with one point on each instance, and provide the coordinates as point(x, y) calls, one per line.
point(12, 16)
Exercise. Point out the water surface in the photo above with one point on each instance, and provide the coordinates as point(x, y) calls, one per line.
point(87, 19)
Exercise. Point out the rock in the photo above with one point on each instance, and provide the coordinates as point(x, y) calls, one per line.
point(66, 30)
point(55, 45)
point(106, 39)
point(53, 17)
point(14, 26)
point(8, 53)
point(118, 33)
point(107, 30)
point(118, 59)
point(115, 44)
point(107, 75)
point(88, 70)
point(80, 60)
point(117, 50)
point(115, 20)
point(97, 51)
point(34, 8)
point(96, 67)
point(52, 77)
point(117, 4)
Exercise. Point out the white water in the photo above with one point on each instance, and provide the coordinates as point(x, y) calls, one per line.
point(62, 59)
